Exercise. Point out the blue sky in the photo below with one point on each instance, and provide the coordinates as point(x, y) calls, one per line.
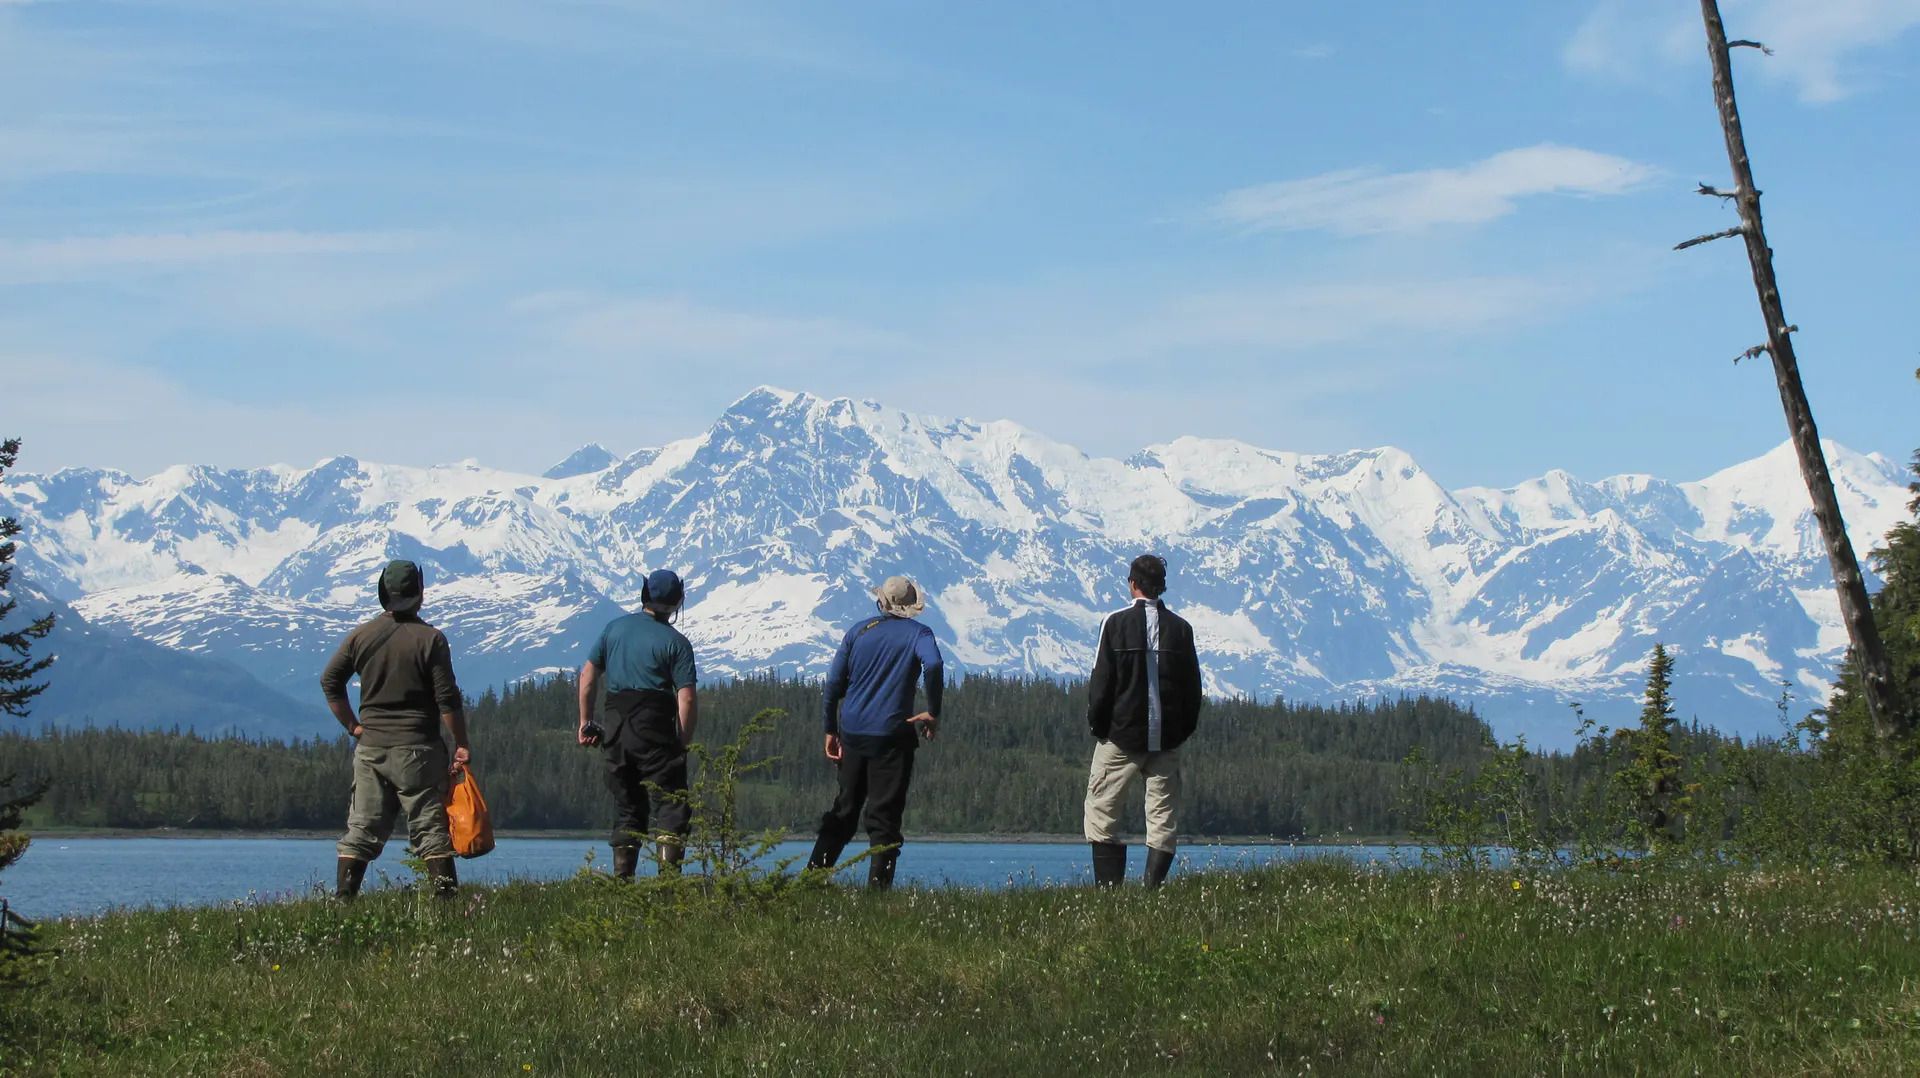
point(277, 230)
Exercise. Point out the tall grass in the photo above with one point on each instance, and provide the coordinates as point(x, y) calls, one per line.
point(1309, 967)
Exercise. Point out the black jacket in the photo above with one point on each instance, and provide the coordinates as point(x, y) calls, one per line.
point(1117, 710)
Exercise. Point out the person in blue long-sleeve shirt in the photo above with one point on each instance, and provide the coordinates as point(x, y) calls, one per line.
point(872, 730)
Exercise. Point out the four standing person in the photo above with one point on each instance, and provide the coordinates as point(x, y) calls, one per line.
point(1145, 697)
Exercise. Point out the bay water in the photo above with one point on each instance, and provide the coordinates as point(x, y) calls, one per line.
point(73, 876)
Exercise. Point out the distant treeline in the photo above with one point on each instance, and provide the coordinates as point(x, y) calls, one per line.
point(1011, 758)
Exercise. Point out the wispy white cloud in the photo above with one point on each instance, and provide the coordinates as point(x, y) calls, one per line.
point(72, 410)
point(1326, 336)
point(1290, 318)
point(175, 247)
point(1820, 46)
point(1627, 39)
point(70, 146)
point(665, 327)
point(69, 257)
point(1366, 201)
point(1045, 357)
point(743, 32)
point(1183, 361)
point(1015, 334)
point(121, 295)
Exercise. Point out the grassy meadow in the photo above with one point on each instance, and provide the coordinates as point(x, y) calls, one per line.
point(1307, 968)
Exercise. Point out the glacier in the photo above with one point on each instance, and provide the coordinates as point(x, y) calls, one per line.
point(1322, 577)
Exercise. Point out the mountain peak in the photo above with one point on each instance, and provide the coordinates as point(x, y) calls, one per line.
point(1782, 464)
point(338, 464)
point(592, 457)
point(764, 399)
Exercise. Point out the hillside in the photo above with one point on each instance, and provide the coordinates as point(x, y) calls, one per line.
point(107, 678)
point(1307, 969)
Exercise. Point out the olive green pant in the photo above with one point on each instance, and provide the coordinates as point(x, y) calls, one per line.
point(389, 781)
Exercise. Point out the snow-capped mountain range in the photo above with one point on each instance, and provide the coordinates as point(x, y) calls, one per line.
point(1321, 577)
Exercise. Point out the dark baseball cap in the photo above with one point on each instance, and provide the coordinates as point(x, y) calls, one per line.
point(663, 586)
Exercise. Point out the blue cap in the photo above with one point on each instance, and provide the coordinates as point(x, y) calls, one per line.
point(662, 586)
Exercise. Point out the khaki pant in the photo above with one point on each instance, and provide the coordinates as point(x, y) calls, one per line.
point(1112, 774)
point(387, 781)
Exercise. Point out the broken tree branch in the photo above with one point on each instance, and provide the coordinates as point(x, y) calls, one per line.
point(1728, 196)
point(1743, 43)
point(1759, 350)
point(1723, 234)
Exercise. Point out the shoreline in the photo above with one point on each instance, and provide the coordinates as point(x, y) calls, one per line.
point(1040, 839)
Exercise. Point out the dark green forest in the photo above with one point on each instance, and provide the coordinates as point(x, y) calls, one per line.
point(1012, 754)
point(1011, 759)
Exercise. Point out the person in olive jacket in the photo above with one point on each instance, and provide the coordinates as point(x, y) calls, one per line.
point(1145, 697)
point(400, 762)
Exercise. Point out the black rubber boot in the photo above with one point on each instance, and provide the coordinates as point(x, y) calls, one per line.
point(625, 860)
point(671, 854)
point(440, 874)
point(880, 870)
point(1158, 862)
point(348, 874)
point(1109, 863)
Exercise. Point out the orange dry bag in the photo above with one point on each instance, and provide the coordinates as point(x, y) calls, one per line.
point(467, 816)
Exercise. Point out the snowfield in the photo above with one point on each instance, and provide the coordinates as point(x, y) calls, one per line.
point(1315, 576)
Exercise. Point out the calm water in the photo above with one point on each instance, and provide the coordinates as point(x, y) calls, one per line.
point(78, 876)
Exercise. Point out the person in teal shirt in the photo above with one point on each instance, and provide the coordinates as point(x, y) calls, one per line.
point(652, 707)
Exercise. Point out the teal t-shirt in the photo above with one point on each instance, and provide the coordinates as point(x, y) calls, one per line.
point(641, 652)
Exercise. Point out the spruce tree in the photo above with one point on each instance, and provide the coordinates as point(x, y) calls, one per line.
point(1651, 779)
point(18, 668)
point(1877, 793)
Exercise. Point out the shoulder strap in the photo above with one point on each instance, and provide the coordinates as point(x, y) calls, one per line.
point(847, 644)
point(365, 656)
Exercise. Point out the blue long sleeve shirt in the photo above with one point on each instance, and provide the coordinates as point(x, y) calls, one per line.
point(869, 692)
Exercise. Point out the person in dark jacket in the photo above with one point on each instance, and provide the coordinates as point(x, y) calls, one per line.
point(652, 708)
point(1144, 702)
point(872, 730)
point(400, 763)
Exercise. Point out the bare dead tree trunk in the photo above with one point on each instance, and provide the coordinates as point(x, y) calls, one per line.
point(1869, 653)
